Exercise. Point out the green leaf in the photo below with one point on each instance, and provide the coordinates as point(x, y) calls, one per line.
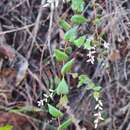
point(71, 34)
point(67, 67)
point(60, 55)
point(78, 19)
point(68, 50)
point(62, 88)
point(63, 24)
point(80, 41)
point(63, 101)
point(65, 124)
point(96, 95)
point(78, 5)
point(87, 44)
point(7, 127)
point(56, 80)
point(97, 88)
point(54, 111)
point(82, 80)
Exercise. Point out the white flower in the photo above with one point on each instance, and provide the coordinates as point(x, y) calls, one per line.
point(51, 90)
point(97, 106)
point(91, 53)
point(100, 108)
point(106, 45)
point(45, 100)
point(56, 3)
point(95, 125)
point(100, 102)
point(98, 115)
point(45, 95)
point(40, 103)
point(91, 59)
point(51, 95)
point(96, 121)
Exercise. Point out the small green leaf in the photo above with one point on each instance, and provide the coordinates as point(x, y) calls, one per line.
point(63, 24)
point(67, 67)
point(87, 44)
point(62, 88)
point(97, 88)
point(68, 50)
point(65, 124)
point(7, 127)
point(56, 80)
point(82, 80)
point(63, 101)
point(54, 111)
point(78, 5)
point(71, 34)
point(80, 41)
point(96, 95)
point(78, 19)
point(60, 55)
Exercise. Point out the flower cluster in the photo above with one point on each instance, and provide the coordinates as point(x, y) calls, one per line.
point(106, 45)
point(91, 56)
point(54, 2)
point(98, 115)
point(46, 97)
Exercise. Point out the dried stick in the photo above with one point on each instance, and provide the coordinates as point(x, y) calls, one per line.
point(16, 29)
point(49, 36)
point(36, 28)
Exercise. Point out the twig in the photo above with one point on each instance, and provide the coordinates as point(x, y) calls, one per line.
point(17, 29)
point(38, 80)
point(36, 28)
point(14, 7)
point(49, 36)
point(125, 71)
point(126, 119)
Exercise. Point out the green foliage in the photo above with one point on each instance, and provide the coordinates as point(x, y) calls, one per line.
point(68, 50)
point(96, 95)
point(91, 85)
point(67, 67)
point(77, 5)
point(7, 127)
point(65, 124)
point(87, 44)
point(64, 25)
point(80, 41)
point(71, 34)
point(78, 19)
point(82, 80)
point(60, 55)
point(54, 111)
point(63, 100)
point(97, 88)
point(62, 88)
